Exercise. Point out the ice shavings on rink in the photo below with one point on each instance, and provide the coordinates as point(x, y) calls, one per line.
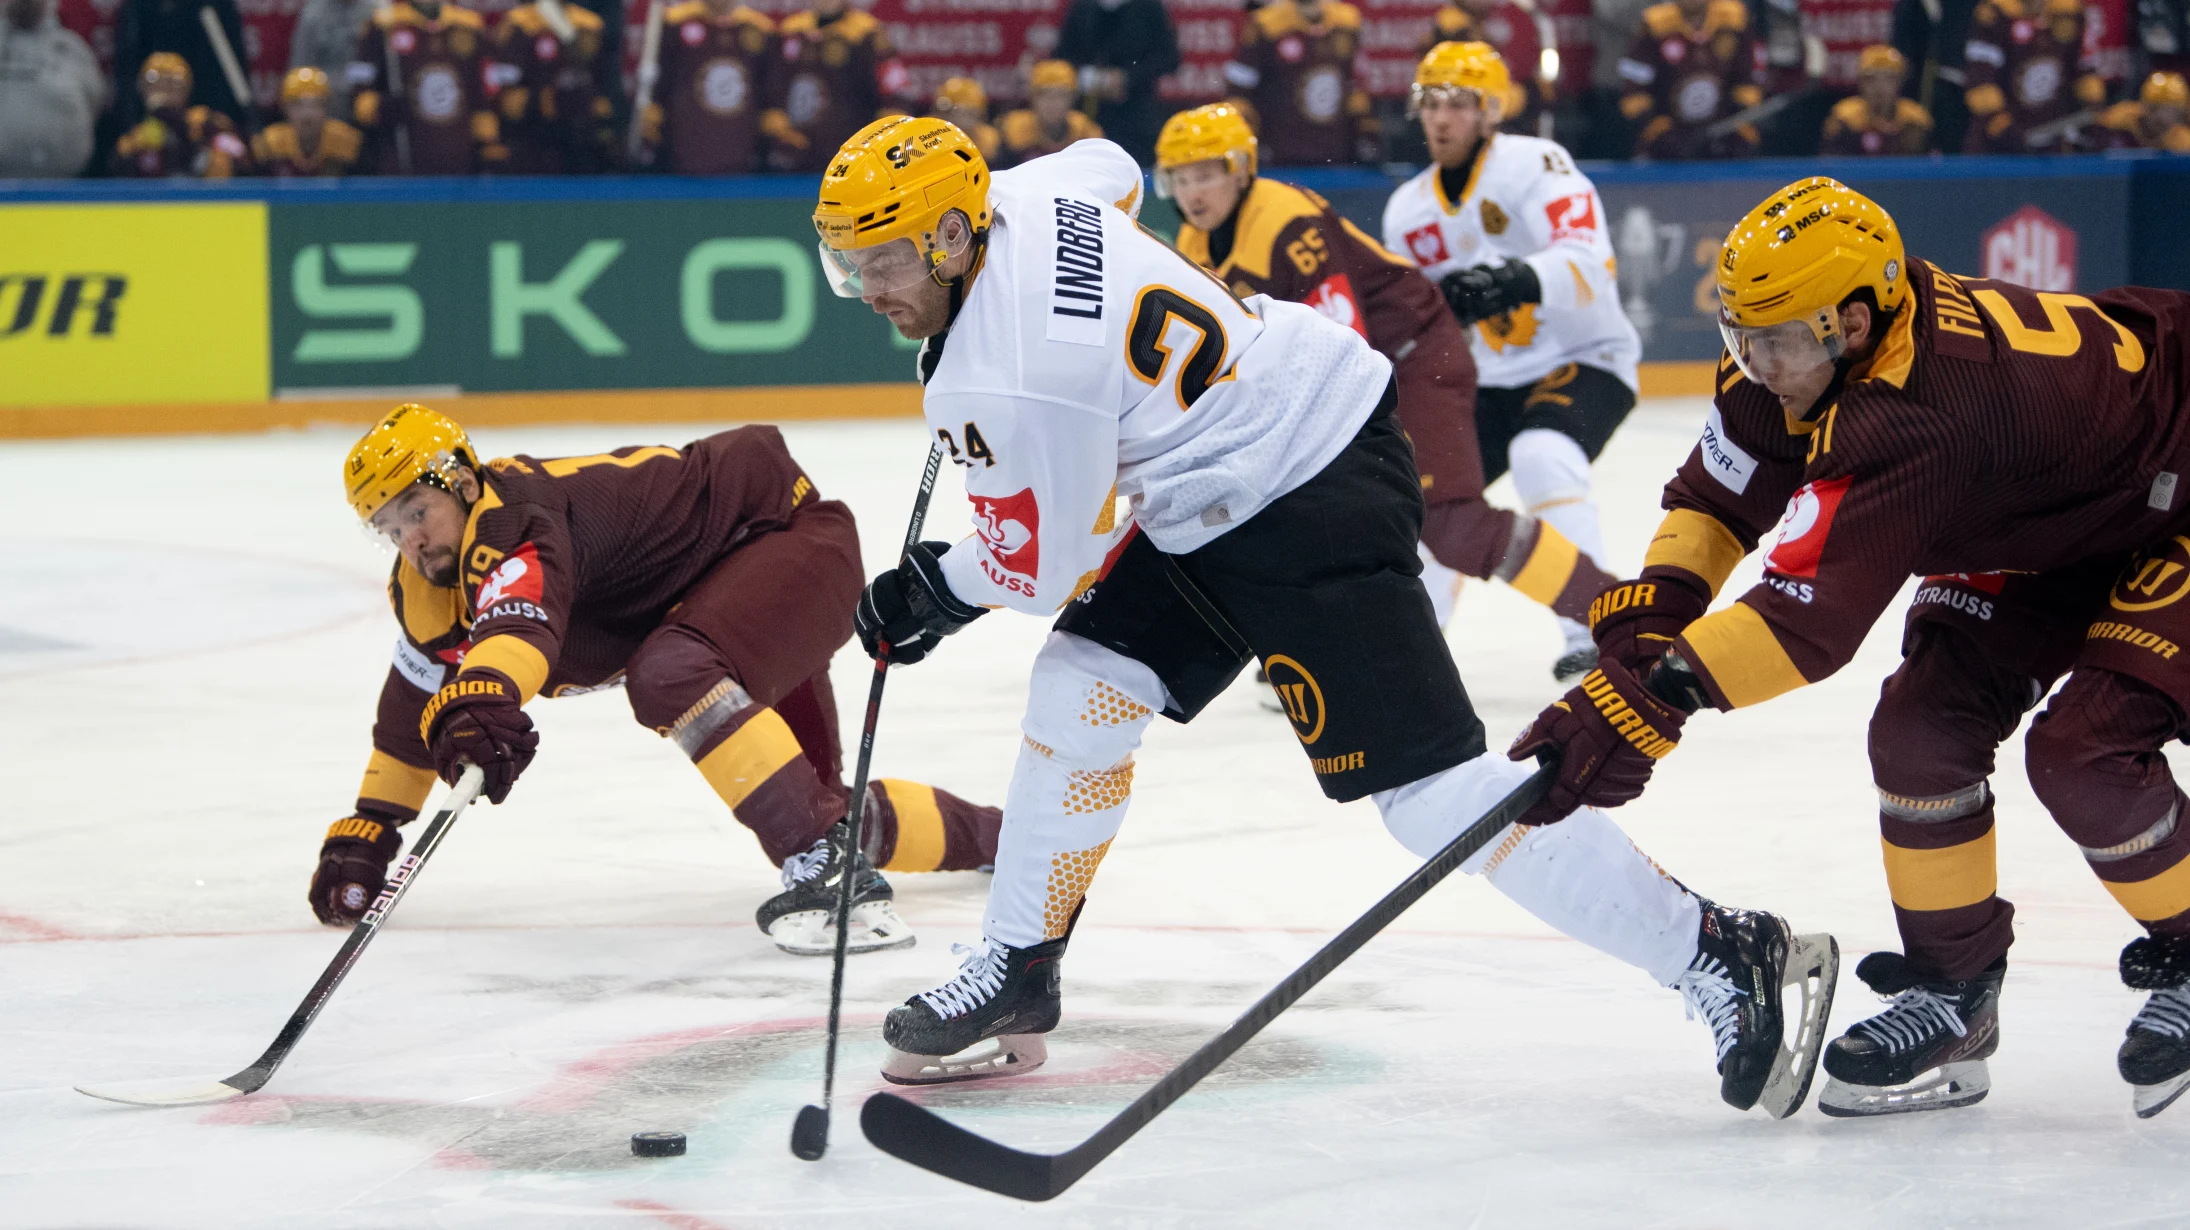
point(580, 963)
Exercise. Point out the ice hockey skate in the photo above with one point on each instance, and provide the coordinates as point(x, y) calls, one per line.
point(988, 1021)
point(1926, 1051)
point(1745, 962)
point(802, 918)
point(1578, 657)
point(2155, 1057)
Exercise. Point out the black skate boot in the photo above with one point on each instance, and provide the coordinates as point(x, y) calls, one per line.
point(1008, 996)
point(1745, 960)
point(2155, 1058)
point(802, 918)
point(1925, 1052)
point(1578, 658)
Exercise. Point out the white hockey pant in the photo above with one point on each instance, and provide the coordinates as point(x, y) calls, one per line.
point(1551, 474)
point(1581, 876)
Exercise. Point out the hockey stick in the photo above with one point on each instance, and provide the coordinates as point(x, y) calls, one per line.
point(401, 119)
point(238, 85)
point(810, 1131)
point(200, 1090)
point(650, 69)
point(915, 1134)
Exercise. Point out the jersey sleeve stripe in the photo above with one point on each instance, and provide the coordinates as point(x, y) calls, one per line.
point(1548, 566)
point(1697, 542)
point(1739, 657)
point(515, 657)
point(391, 781)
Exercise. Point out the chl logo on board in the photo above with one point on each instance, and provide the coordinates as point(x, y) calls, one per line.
point(52, 304)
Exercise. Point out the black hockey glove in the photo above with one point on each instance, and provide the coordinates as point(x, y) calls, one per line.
point(1485, 291)
point(908, 610)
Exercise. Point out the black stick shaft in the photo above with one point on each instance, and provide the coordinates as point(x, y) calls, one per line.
point(251, 1079)
point(855, 811)
point(918, 1135)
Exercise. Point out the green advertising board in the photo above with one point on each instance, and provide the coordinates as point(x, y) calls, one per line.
point(535, 295)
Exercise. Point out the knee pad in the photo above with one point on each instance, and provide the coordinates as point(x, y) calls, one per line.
point(1087, 706)
point(2094, 760)
point(681, 689)
point(1548, 467)
point(1940, 718)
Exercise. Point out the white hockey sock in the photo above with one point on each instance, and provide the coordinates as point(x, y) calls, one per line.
point(1581, 875)
point(1443, 584)
point(1086, 710)
point(1551, 473)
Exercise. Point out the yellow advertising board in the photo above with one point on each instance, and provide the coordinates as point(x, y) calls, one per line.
point(104, 304)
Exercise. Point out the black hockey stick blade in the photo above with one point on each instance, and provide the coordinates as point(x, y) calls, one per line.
point(810, 1133)
point(200, 1090)
point(913, 1133)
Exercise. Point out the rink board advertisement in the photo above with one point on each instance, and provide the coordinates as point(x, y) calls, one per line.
point(540, 295)
point(104, 304)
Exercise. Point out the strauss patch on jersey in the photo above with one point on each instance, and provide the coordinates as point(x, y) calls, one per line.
point(514, 588)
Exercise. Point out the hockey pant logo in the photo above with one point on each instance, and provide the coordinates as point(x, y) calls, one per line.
point(1298, 691)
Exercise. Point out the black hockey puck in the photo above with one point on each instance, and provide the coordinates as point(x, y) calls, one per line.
point(657, 1144)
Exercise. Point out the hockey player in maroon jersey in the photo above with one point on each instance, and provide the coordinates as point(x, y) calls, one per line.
point(1262, 237)
point(2023, 452)
point(712, 582)
point(1295, 67)
point(2020, 66)
point(307, 141)
point(174, 138)
point(1693, 63)
point(1877, 119)
point(438, 50)
point(715, 59)
point(837, 72)
point(1051, 119)
point(555, 120)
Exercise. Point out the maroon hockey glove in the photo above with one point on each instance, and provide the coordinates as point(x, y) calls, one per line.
point(479, 719)
point(353, 867)
point(1610, 731)
point(1634, 622)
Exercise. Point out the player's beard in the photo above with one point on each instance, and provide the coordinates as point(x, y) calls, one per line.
point(438, 565)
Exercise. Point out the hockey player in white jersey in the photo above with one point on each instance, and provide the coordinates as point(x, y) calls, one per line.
point(1071, 359)
point(1515, 237)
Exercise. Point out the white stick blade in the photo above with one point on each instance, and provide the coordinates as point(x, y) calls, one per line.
point(189, 1091)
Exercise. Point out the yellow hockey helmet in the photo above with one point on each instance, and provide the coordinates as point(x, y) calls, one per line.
point(412, 445)
point(1880, 58)
point(304, 81)
point(883, 201)
point(164, 66)
point(1054, 75)
point(1786, 269)
point(2164, 90)
point(963, 94)
point(1473, 67)
point(1216, 132)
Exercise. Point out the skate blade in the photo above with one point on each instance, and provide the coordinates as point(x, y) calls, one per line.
point(1813, 965)
point(1949, 1086)
point(1010, 1055)
point(2149, 1100)
point(812, 933)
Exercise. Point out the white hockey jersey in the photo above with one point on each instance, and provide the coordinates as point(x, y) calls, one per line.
point(1091, 361)
point(1524, 200)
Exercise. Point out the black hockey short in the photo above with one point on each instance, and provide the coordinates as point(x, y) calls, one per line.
point(1587, 403)
point(1325, 587)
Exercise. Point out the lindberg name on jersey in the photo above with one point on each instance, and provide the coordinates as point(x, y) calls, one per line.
point(1079, 270)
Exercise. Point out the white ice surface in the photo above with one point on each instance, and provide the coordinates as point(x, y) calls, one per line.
point(191, 639)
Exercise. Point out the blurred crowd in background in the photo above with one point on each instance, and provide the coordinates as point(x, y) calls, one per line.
point(215, 88)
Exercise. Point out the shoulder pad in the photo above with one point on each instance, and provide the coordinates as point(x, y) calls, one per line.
point(750, 16)
point(1730, 15)
point(274, 141)
point(1083, 127)
point(1341, 16)
point(1910, 111)
point(1269, 210)
point(799, 23)
point(584, 18)
point(2176, 140)
point(1663, 20)
point(396, 14)
point(1020, 128)
point(1996, 10)
point(1277, 20)
point(692, 10)
point(2122, 115)
point(1452, 21)
point(457, 15)
point(2065, 8)
point(855, 24)
point(525, 18)
point(341, 140)
point(1852, 111)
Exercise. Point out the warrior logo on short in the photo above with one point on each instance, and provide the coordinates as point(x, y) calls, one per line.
point(1298, 691)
